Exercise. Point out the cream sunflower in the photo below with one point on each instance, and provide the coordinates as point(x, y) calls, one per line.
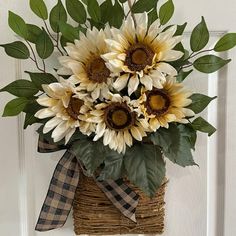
point(141, 54)
point(117, 123)
point(85, 64)
point(162, 106)
point(68, 110)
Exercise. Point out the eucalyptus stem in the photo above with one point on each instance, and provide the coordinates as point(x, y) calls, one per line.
point(132, 14)
point(196, 54)
point(48, 31)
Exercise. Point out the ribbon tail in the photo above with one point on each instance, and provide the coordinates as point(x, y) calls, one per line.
point(60, 196)
point(121, 195)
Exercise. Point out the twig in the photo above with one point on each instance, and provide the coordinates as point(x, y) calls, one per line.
point(48, 31)
point(132, 14)
point(44, 66)
point(196, 54)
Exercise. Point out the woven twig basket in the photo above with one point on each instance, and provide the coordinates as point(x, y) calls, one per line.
point(94, 214)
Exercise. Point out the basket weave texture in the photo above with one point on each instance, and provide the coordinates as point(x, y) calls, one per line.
point(94, 214)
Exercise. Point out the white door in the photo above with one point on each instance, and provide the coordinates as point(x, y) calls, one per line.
point(199, 201)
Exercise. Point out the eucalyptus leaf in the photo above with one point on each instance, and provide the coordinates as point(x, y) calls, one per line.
point(166, 12)
point(69, 32)
point(152, 16)
point(76, 10)
point(202, 125)
point(180, 29)
point(15, 107)
point(18, 25)
point(94, 10)
point(182, 75)
point(30, 119)
point(17, 50)
point(21, 88)
point(209, 63)
point(33, 33)
point(39, 8)
point(106, 11)
point(143, 5)
point(200, 36)
point(199, 102)
point(117, 15)
point(227, 42)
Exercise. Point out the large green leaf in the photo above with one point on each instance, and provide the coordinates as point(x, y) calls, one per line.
point(15, 107)
point(117, 15)
point(209, 63)
point(44, 45)
point(94, 10)
point(69, 32)
point(33, 33)
point(17, 50)
point(21, 88)
point(18, 25)
point(190, 133)
point(145, 167)
point(106, 11)
point(175, 145)
point(152, 16)
point(58, 14)
point(41, 78)
point(166, 12)
point(144, 5)
point(199, 102)
point(227, 42)
point(39, 8)
point(202, 125)
point(76, 10)
point(183, 75)
point(200, 36)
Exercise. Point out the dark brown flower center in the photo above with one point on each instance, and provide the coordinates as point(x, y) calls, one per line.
point(73, 108)
point(97, 70)
point(118, 116)
point(157, 102)
point(138, 56)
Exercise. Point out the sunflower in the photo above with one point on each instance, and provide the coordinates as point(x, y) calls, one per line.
point(141, 54)
point(85, 64)
point(67, 109)
point(117, 123)
point(162, 106)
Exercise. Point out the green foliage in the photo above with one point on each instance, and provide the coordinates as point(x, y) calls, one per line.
point(122, 1)
point(76, 10)
point(183, 75)
point(41, 78)
point(209, 63)
point(106, 11)
point(18, 25)
point(39, 8)
point(199, 102)
point(180, 29)
point(15, 107)
point(144, 5)
point(203, 126)
point(58, 14)
point(21, 88)
point(94, 10)
point(69, 32)
point(44, 45)
point(117, 15)
point(190, 133)
point(200, 36)
point(227, 42)
point(33, 33)
point(145, 167)
point(166, 12)
point(175, 144)
point(17, 50)
point(152, 16)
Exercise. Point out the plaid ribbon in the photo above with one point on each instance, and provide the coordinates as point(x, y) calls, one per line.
point(62, 188)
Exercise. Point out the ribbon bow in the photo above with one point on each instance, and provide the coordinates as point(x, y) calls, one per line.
point(62, 188)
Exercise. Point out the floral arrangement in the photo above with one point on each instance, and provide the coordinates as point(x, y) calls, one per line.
point(117, 99)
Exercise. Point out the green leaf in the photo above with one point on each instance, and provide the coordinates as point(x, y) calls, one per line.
point(180, 29)
point(166, 12)
point(122, 1)
point(95, 24)
point(203, 126)
point(189, 133)
point(183, 75)
point(106, 11)
point(44, 45)
point(18, 25)
point(117, 15)
point(30, 119)
point(209, 63)
point(227, 42)
point(199, 102)
point(145, 167)
point(143, 5)
point(41, 78)
point(152, 16)
point(175, 145)
point(33, 33)
point(90, 153)
point(15, 107)
point(200, 36)
point(94, 10)
point(85, 2)
point(76, 10)
point(17, 50)
point(39, 8)
point(69, 32)
point(21, 88)
point(57, 14)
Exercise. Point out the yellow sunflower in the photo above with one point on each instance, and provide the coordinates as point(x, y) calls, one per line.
point(117, 123)
point(85, 64)
point(162, 106)
point(141, 54)
point(68, 110)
